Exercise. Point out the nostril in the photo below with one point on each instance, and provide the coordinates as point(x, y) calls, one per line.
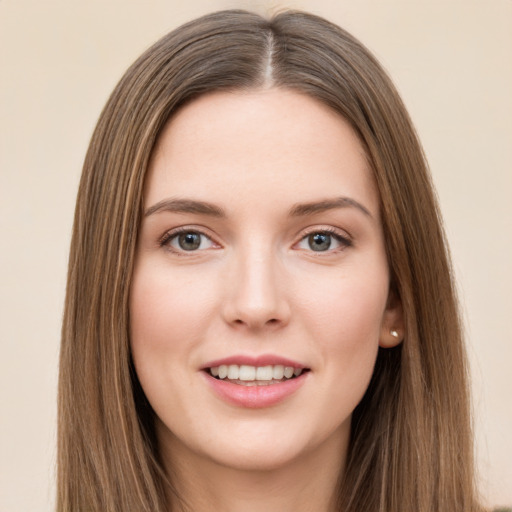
point(272, 321)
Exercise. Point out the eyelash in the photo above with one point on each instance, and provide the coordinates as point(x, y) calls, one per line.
point(170, 235)
point(345, 241)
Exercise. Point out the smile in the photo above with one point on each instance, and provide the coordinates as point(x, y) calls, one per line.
point(255, 382)
point(247, 375)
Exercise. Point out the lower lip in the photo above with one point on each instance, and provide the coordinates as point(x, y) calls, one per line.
point(254, 397)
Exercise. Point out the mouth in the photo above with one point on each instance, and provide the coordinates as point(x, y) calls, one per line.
point(247, 375)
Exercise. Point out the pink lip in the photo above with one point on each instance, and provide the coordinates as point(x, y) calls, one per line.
point(262, 360)
point(254, 397)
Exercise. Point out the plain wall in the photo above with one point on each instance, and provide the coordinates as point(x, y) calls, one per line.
point(59, 60)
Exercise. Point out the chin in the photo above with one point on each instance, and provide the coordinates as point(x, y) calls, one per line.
point(262, 447)
point(258, 457)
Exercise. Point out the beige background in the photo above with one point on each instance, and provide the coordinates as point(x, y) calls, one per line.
point(451, 60)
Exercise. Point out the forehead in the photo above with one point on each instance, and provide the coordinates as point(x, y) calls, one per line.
point(274, 144)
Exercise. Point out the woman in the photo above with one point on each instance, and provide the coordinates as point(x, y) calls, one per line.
point(260, 312)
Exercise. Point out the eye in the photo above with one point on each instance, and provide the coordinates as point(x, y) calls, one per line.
point(323, 241)
point(187, 240)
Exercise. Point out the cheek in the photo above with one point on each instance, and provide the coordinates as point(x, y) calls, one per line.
point(348, 309)
point(344, 322)
point(164, 307)
point(168, 312)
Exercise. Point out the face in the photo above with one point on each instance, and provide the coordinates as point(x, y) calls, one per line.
point(260, 293)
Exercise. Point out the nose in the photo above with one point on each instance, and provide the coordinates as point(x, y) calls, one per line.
point(256, 296)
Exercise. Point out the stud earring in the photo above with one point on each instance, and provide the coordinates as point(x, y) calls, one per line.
point(394, 333)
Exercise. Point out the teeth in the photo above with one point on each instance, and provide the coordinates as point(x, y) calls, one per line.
point(264, 373)
point(255, 373)
point(278, 371)
point(233, 371)
point(247, 372)
point(223, 371)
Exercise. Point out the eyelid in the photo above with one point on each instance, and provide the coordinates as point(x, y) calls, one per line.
point(172, 233)
point(344, 238)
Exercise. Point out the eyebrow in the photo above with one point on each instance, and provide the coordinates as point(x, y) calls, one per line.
point(304, 209)
point(177, 205)
point(185, 206)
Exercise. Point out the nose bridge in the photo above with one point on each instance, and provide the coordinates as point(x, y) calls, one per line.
point(257, 298)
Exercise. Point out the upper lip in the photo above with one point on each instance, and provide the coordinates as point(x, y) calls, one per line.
point(261, 360)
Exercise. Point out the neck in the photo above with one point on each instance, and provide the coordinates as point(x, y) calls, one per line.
point(307, 484)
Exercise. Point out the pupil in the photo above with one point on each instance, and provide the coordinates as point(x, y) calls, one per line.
point(319, 241)
point(189, 241)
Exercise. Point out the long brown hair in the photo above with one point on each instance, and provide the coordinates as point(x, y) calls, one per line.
point(411, 446)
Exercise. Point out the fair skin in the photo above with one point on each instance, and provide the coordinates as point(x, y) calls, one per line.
point(285, 263)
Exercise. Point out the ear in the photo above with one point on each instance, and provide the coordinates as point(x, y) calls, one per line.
point(392, 329)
